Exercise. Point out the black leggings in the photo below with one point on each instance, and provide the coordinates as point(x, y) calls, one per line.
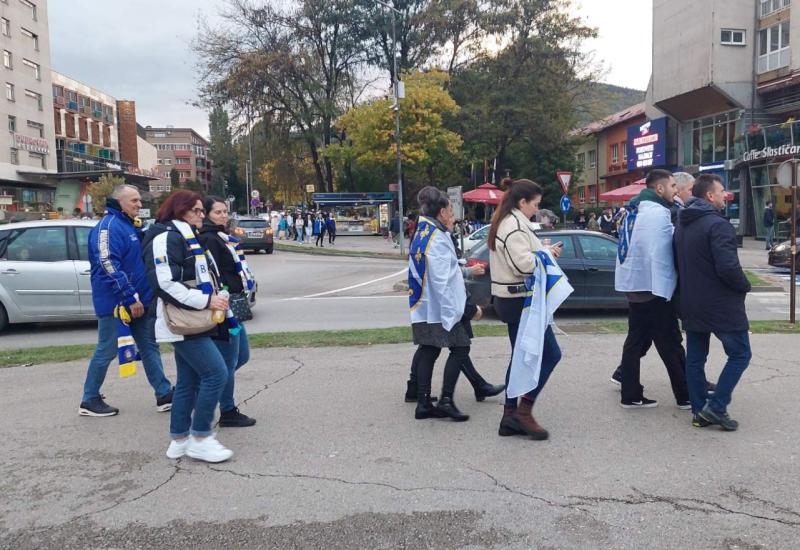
point(320, 239)
point(425, 358)
point(331, 237)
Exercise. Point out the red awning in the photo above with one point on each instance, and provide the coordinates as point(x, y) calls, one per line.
point(624, 194)
point(486, 194)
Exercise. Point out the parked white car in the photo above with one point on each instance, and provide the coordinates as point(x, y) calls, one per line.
point(44, 272)
point(476, 237)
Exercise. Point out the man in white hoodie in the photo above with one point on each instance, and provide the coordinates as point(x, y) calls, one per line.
point(646, 273)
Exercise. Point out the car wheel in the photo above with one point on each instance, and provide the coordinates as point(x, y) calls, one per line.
point(268, 250)
point(3, 318)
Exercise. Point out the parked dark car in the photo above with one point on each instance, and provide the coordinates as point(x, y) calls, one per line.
point(780, 255)
point(255, 233)
point(587, 259)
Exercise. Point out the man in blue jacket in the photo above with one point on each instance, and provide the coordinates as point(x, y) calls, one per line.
point(119, 278)
point(713, 287)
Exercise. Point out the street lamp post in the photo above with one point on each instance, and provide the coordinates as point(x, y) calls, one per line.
point(396, 107)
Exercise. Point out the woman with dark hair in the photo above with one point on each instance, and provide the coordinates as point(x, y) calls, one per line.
point(512, 244)
point(440, 313)
point(184, 277)
point(234, 274)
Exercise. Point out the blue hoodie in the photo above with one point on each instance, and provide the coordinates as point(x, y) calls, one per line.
point(118, 271)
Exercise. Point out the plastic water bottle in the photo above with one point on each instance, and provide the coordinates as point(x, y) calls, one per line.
point(219, 315)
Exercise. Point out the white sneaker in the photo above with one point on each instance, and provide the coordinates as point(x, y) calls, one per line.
point(177, 449)
point(208, 449)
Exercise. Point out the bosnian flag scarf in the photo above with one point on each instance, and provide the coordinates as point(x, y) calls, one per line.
point(547, 288)
point(127, 354)
point(234, 246)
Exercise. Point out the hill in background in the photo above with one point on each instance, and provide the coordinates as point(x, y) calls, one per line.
point(607, 99)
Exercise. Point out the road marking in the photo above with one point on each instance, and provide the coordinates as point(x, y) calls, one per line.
point(304, 298)
point(351, 287)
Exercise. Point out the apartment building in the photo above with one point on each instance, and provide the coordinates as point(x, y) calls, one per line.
point(27, 150)
point(184, 150)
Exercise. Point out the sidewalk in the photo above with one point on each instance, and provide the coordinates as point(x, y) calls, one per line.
point(350, 243)
point(337, 460)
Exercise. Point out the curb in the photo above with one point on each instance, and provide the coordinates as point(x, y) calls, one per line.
point(343, 253)
point(767, 289)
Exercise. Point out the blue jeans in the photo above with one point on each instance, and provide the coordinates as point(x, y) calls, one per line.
point(236, 352)
point(143, 331)
point(202, 374)
point(737, 348)
point(770, 236)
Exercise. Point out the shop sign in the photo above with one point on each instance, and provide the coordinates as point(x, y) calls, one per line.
point(647, 144)
point(28, 143)
point(771, 152)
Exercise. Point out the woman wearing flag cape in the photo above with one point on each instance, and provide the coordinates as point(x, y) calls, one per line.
point(234, 273)
point(184, 275)
point(440, 314)
point(527, 288)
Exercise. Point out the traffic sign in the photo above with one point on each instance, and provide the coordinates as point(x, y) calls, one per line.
point(564, 178)
point(455, 196)
point(566, 204)
point(310, 188)
point(254, 193)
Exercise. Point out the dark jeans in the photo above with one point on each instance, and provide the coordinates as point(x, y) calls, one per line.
point(509, 310)
point(236, 352)
point(424, 360)
point(331, 237)
point(655, 321)
point(320, 239)
point(737, 348)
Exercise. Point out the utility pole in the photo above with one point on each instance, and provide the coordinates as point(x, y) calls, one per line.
point(249, 171)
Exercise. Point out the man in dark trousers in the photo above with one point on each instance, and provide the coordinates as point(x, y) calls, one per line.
point(713, 287)
point(769, 224)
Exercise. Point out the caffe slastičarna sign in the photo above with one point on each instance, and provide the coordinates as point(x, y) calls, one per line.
point(786, 149)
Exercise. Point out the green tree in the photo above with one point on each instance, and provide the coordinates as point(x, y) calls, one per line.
point(224, 156)
point(101, 190)
point(430, 151)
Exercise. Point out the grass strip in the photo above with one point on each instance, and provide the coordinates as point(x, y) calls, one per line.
point(755, 280)
point(336, 252)
point(358, 337)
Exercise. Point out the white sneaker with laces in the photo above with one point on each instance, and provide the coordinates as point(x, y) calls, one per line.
point(208, 449)
point(177, 449)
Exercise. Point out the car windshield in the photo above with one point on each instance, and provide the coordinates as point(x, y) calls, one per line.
point(253, 223)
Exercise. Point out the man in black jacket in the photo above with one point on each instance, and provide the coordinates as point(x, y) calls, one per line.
point(713, 287)
point(769, 224)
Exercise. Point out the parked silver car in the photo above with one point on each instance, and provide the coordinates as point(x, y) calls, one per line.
point(45, 272)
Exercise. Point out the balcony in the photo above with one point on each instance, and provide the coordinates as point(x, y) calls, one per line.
point(183, 154)
point(69, 161)
point(182, 165)
point(72, 105)
point(60, 101)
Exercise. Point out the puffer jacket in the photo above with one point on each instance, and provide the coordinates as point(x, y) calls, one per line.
point(512, 260)
point(171, 272)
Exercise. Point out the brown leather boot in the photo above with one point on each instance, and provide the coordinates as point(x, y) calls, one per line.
point(527, 422)
point(509, 425)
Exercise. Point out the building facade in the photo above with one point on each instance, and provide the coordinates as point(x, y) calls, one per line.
point(27, 150)
point(184, 150)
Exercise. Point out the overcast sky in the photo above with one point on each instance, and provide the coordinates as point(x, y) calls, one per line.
point(141, 50)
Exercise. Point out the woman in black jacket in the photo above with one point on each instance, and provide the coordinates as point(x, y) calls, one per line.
point(235, 275)
point(184, 278)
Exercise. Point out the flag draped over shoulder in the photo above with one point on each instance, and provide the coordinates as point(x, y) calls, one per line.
point(547, 288)
point(127, 354)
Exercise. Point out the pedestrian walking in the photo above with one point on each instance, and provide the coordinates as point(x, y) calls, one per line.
point(330, 221)
point(580, 219)
point(769, 224)
point(319, 230)
point(283, 227)
point(440, 314)
point(513, 245)
point(299, 231)
point(713, 290)
point(592, 224)
point(184, 277)
point(234, 273)
point(646, 273)
point(607, 222)
point(119, 278)
point(308, 228)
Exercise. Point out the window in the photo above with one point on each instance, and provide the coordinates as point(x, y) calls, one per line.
point(769, 7)
point(12, 123)
point(614, 153)
point(7, 59)
point(38, 244)
point(597, 248)
point(773, 47)
point(581, 158)
point(37, 71)
point(9, 91)
point(732, 37)
point(624, 151)
point(592, 158)
point(82, 236)
point(581, 194)
point(32, 35)
point(35, 96)
point(31, 6)
point(58, 91)
point(14, 156)
point(37, 128)
point(5, 26)
point(567, 248)
point(711, 139)
point(38, 158)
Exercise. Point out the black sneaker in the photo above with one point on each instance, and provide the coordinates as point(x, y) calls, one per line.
point(97, 407)
point(685, 405)
point(643, 403)
point(699, 422)
point(616, 378)
point(720, 418)
point(164, 403)
point(234, 419)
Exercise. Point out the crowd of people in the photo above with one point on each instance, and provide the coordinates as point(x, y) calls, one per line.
point(185, 282)
point(677, 262)
point(301, 226)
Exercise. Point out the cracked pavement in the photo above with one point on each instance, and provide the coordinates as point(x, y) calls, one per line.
point(337, 460)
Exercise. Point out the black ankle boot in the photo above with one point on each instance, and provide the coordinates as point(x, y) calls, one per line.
point(483, 389)
point(448, 408)
point(411, 393)
point(487, 390)
point(426, 409)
